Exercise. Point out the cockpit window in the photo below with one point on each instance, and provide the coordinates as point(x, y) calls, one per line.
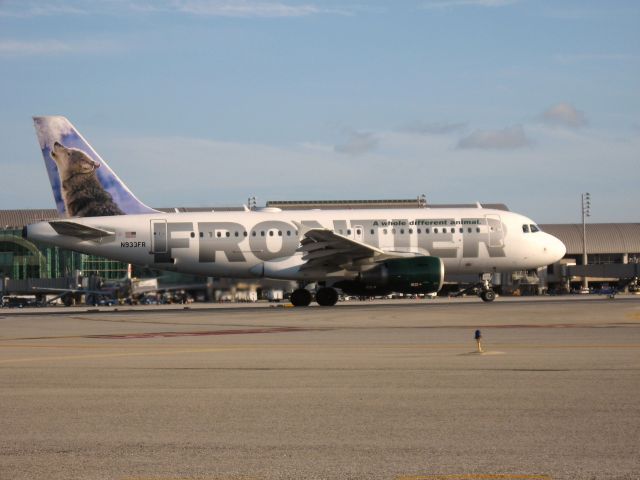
point(525, 228)
point(534, 228)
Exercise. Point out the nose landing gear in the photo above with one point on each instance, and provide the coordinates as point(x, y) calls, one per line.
point(488, 295)
point(483, 289)
point(486, 292)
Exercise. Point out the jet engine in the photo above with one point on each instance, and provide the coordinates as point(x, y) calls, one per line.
point(403, 275)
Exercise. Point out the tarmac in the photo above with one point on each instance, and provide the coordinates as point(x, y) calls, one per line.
point(363, 390)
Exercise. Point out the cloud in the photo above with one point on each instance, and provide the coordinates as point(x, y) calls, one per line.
point(34, 8)
point(506, 139)
point(245, 8)
point(564, 114)
point(433, 128)
point(20, 48)
point(467, 3)
point(358, 143)
point(219, 8)
point(594, 57)
point(212, 172)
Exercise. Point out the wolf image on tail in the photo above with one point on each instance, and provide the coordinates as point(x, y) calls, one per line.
point(82, 193)
point(83, 185)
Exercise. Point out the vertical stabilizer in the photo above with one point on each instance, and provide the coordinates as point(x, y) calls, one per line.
point(83, 184)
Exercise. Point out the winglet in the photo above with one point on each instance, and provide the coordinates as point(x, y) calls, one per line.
point(83, 184)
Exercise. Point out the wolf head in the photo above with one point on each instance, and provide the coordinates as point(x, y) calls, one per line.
point(72, 161)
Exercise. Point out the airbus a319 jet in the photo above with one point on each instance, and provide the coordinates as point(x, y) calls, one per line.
point(356, 251)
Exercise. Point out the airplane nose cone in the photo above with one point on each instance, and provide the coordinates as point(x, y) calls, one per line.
point(555, 249)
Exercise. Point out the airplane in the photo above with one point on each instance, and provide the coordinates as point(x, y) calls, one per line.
point(356, 251)
point(114, 291)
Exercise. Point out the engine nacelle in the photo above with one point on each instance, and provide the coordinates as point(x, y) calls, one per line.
point(403, 275)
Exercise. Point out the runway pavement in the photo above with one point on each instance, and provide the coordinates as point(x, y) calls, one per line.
point(390, 390)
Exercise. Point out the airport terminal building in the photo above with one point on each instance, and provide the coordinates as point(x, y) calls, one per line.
point(610, 246)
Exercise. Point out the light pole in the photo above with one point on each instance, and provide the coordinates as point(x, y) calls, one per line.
point(586, 212)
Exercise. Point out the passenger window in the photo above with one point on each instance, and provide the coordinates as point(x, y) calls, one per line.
point(244, 233)
point(384, 231)
point(236, 234)
point(253, 233)
point(228, 234)
point(349, 232)
point(288, 233)
point(372, 231)
point(525, 228)
point(477, 229)
point(193, 234)
point(426, 230)
point(419, 231)
point(435, 230)
point(410, 231)
point(462, 230)
point(469, 230)
point(393, 230)
point(534, 228)
point(201, 234)
point(358, 231)
point(279, 233)
point(218, 234)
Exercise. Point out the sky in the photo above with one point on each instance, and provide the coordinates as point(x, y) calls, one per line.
point(208, 102)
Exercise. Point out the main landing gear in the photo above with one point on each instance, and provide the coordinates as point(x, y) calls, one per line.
point(325, 296)
point(301, 297)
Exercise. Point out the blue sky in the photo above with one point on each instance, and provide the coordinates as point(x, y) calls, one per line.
point(203, 102)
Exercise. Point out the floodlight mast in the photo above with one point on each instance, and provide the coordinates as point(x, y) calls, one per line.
point(586, 212)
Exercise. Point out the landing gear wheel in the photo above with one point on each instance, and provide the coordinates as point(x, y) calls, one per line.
point(488, 295)
point(301, 297)
point(326, 297)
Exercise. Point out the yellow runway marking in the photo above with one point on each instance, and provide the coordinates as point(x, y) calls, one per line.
point(474, 477)
point(235, 477)
point(306, 347)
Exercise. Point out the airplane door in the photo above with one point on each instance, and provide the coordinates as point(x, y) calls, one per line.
point(358, 233)
point(496, 233)
point(158, 236)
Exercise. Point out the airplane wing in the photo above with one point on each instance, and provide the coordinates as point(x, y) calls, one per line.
point(72, 290)
point(324, 249)
point(83, 232)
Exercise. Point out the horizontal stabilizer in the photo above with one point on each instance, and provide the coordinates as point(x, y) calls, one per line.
point(83, 232)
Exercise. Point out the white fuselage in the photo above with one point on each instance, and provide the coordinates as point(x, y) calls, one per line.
point(265, 242)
